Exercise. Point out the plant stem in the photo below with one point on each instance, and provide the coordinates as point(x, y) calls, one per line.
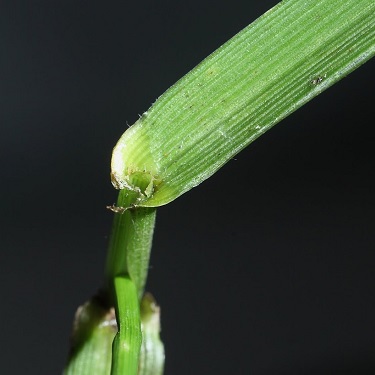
point(127, 342)
point(126, 273)
point(130, 242)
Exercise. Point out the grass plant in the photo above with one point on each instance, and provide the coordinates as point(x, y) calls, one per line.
point(285, 58)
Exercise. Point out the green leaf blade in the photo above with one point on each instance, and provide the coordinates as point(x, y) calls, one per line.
point(284, 59)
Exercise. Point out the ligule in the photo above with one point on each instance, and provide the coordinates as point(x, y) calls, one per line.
point(284, 59)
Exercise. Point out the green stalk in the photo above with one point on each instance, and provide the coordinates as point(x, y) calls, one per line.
point(268, 70)
point(130, 242)
point(126, 272)
point(127, 343)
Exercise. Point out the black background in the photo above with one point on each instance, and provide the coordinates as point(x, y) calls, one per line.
point(267, 268)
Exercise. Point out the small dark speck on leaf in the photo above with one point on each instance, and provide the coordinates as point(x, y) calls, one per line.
point(317, 80)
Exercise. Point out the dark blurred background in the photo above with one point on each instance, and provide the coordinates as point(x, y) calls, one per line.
point(266, 269)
